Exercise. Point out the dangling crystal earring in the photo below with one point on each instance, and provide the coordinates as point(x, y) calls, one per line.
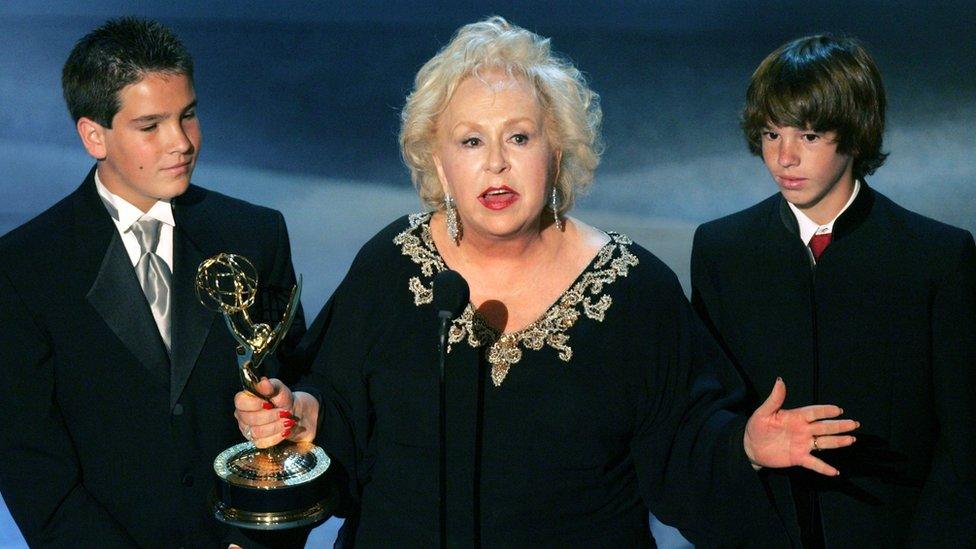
point(453, 223)
point(555, 209)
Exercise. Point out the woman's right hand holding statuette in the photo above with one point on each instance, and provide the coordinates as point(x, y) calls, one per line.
point(273, 416)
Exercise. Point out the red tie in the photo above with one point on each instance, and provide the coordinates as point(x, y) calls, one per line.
point(818, 244)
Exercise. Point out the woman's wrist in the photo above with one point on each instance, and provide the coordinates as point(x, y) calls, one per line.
point(306, 407)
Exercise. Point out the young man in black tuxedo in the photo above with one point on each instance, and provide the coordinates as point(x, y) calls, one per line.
point(119, 384)
point(853, 300)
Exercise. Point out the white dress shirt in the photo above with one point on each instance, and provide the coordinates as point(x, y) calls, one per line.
point(125, 214)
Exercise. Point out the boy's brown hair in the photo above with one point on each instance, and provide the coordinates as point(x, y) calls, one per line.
point(821, 83)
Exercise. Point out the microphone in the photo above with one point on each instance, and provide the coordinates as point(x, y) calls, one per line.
point(451, 295)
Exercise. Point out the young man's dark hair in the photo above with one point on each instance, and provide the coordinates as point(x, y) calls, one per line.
point(822, 83)
point(116, 54)
point(853, 300)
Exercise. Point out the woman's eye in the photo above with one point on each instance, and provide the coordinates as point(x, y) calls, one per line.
point(471, 142)
point(769, 135)
point(811, 137)
point(520, 139)
point(148, 128)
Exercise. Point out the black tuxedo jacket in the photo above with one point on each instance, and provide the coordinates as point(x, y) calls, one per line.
point(107, 440)
point(885, 327)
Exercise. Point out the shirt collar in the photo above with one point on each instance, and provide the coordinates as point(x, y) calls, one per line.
point(125, 214)
point(808, 227)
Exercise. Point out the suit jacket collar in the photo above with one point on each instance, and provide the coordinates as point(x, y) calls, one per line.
point(855, 215)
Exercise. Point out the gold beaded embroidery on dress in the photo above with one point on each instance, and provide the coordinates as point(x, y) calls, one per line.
point(586, 296)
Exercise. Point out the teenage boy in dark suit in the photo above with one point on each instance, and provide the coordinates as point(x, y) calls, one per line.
point(853, 300)
point(119, 385)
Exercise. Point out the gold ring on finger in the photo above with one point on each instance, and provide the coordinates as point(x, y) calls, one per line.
point(815, 447)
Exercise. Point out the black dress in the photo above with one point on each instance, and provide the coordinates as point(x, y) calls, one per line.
point(564, 433)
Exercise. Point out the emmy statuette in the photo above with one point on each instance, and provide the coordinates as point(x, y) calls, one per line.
point(275, 488)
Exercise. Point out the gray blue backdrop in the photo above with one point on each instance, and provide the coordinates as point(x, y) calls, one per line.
point(299, 105)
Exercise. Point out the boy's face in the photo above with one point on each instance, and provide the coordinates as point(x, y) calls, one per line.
point(151, 149)
point(811, 174)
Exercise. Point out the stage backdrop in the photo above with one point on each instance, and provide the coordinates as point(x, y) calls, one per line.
point(299, 106)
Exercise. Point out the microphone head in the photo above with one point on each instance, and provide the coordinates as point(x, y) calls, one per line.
point(450, 294)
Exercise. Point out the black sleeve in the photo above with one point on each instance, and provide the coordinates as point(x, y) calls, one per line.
point(337, 347)
point(692, 467)
point(40, 478)
point(339, 341)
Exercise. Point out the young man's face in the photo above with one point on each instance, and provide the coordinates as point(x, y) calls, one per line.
point(811, 174)
point(151, 149)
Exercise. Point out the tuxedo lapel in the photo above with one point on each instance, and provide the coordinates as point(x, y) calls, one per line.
point(118, 298)
point(114, 291)
point(192, 322)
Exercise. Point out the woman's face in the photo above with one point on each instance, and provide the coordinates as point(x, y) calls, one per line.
point(493, 155)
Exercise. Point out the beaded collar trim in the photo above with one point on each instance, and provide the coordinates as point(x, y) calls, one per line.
point(586, 296)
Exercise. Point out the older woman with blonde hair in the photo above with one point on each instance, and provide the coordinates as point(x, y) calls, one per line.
point(580, 391)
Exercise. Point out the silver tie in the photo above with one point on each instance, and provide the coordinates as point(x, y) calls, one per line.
point(154, 275)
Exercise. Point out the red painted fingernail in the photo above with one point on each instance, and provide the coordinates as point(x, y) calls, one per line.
point(286, 433)
point(289, 423)
point(284, 414)
point(267, 405)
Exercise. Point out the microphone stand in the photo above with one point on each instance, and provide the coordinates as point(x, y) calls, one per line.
point(445, 319)
point(450, 297)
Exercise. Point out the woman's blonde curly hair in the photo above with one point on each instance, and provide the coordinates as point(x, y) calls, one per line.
point(571, 106)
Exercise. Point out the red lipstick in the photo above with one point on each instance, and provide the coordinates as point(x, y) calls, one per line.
point(498, 198)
